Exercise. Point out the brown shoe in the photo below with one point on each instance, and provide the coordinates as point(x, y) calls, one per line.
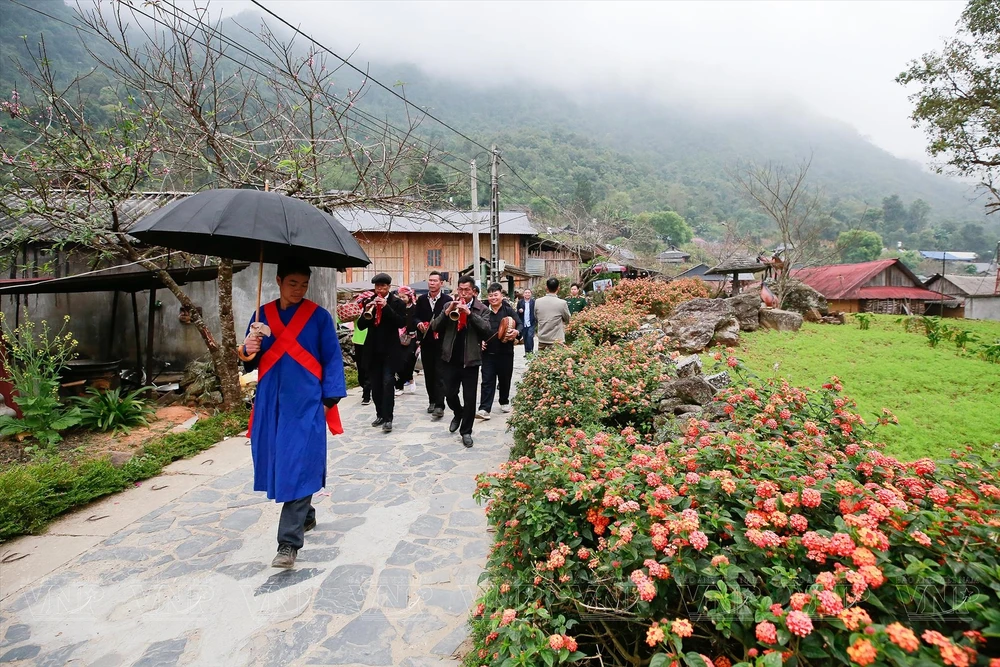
point(285, 559)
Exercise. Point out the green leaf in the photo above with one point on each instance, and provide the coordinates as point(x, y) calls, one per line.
point(659, 660)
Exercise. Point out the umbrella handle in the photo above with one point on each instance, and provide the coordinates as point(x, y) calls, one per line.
point(242, 356)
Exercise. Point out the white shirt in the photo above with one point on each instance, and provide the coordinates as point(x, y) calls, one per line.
point(527, 314)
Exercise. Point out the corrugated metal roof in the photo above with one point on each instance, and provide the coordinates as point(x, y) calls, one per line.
point(840, 281)
point(440, 222)
point(969, 285)
point(911, 293)
point(949, 256)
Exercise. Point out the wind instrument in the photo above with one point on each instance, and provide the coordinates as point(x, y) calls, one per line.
point(453, 313)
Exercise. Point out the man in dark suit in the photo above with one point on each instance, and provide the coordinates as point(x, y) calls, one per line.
point(428, 307)
point(383, 351)
point(526, 311)
point(462, 353)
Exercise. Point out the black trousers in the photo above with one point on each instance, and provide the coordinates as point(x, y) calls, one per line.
point(363, 379)
point(409, 362)
point(466, 379)
point(383, 379)
point(431, 355)
point(497, 369)
point(292, 524)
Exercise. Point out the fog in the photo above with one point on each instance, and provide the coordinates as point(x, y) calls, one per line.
point(838, 58)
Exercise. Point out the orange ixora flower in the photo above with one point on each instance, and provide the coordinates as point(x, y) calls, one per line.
point(903, 637)
point(862, 652)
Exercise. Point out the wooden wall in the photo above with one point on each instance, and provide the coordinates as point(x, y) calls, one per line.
point(847, 306)
point(406, 256)
point(892, 277)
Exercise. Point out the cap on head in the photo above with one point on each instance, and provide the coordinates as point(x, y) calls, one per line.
point(382, 279)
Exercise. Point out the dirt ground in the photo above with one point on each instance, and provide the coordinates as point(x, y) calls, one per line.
point(80, 443)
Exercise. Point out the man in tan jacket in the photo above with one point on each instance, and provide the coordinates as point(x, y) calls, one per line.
point(552, 314)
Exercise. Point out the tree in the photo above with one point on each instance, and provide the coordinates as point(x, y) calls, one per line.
point(859, 245)
point(186, 117)
point(958, 100)
point(784, 195)
point(894, 214)
point(669, 224)
point(917, 216)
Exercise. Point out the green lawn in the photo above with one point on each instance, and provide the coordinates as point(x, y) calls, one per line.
point(943, 400)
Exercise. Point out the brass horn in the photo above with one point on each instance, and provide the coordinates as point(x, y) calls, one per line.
point(369, 312)
point(454, 314)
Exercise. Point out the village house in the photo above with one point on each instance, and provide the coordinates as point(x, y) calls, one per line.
point(114, 320)
point(978, 297)
point(884, 286)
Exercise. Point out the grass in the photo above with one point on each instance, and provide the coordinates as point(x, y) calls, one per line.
point(33, 494)
point(944, 400)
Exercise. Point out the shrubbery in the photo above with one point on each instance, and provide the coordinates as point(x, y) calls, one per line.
point(586, 385)
point(603, 324)
point(656, 297)
point(785, 535)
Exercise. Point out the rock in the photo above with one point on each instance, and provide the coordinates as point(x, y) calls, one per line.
point(693, 390)
point(746, 308)
point(719, 380)
point(801, 298)
point(118, 459)
point(812, 315)
point(6, 410)
point(780, 320)
point(694, 323)
point(686, 409)
point(728, 335)
point(688, 366)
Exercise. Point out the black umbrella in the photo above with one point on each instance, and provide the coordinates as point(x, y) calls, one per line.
point(252, 225)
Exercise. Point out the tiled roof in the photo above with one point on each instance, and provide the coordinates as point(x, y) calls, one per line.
point(440, 222)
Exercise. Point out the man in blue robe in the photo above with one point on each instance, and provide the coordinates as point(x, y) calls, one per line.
point(300, 378)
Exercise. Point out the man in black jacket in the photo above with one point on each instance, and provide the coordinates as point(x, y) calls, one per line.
point(498, 355)
point(383, 352)
point(461, 354)
point(428, 307)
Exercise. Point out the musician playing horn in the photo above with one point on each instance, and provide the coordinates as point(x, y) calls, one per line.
point(463, 328)
point(498, 351)
point(428, 307)
point(382, 317)
point(300, 378)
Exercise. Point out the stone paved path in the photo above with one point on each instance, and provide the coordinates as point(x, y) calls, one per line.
point(386, 578)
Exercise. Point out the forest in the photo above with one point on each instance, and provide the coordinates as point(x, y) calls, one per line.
point(648, 171)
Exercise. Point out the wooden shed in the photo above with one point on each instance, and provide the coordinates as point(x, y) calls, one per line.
point(884, 286)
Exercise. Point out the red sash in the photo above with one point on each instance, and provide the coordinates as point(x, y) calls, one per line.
point(286, 342)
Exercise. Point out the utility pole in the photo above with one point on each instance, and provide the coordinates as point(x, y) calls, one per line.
point(495, 217)
point(476, 267)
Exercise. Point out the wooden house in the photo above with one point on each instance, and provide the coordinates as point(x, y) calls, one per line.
point(978, 297)
point(884, 286)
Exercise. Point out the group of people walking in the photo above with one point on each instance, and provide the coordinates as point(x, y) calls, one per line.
point(292, 343)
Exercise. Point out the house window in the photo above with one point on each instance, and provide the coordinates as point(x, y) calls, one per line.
point(434, 257)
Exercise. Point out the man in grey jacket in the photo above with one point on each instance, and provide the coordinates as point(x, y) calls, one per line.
point(461, 354)
point(552, 314)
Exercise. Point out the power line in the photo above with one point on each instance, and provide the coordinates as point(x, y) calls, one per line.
point(177, 12)
point(365, 74)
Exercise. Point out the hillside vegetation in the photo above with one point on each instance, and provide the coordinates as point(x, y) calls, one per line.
point(613, 155)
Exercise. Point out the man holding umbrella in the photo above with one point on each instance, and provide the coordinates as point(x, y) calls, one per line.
point(300, 378)
point(384, 314)
point(294, 342)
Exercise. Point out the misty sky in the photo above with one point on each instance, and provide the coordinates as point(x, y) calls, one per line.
point(839, 58)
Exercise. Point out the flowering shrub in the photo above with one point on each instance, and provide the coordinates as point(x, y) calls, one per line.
point(584, 385)
point(656, 297)
point(786, 536)
point(603, 324)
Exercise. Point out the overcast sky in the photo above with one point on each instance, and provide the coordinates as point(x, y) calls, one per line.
point(839, 58)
